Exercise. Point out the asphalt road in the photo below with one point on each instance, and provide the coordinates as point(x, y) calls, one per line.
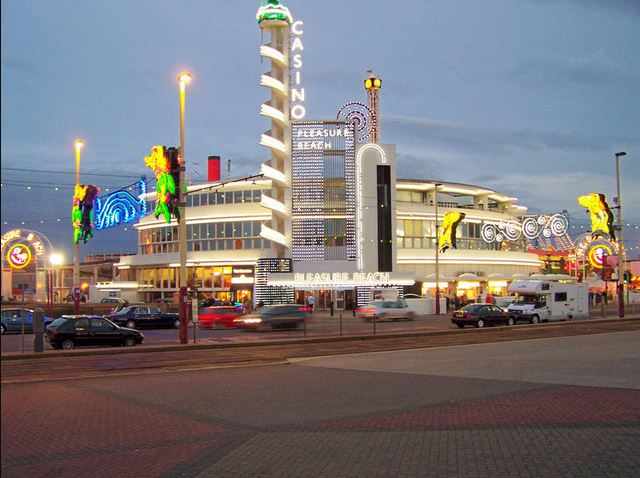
point(564, 406)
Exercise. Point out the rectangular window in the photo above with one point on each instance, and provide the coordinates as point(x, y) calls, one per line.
point(403, 196)
point(196, 199)
point(385, 246)
point(560, 297)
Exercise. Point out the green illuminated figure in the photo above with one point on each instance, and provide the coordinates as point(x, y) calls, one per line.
point(166, 199)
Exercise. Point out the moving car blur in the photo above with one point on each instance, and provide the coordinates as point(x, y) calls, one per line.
point(386, 310)
point(272, 317)
point(219, 316)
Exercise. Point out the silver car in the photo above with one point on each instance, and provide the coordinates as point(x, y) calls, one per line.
point(386, 310)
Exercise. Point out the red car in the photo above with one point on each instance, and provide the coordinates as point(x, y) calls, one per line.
point(219, 316)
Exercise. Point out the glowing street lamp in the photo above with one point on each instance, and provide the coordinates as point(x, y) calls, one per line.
point(621, 251)
point(183, 79)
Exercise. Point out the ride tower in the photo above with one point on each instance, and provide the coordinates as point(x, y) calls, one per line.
point(275, 22)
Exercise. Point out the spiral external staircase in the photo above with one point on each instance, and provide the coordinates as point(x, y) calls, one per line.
point(277, 139)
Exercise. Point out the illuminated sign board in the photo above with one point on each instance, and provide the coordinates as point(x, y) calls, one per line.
point(34, 240)
point(597, 254)
point(323, 190)
point(332, 280)
point(19, 256)
point(298, 110)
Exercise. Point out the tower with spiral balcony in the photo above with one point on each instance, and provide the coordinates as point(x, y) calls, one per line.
point(275, 21)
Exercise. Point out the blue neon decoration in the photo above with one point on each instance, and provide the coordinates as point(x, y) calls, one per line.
point(120, 207)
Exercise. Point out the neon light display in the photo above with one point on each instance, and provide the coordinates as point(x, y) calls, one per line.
point(601, 215)
point(273, 10)
point(166, 199)
point(82, 212)
point(19, 256)
point(361, 115)
point(531, 227)
point(597, 254)
point(298, 110)
point(450, 223)
point(121, 207)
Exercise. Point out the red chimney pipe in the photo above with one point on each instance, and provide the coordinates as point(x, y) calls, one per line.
point(214, 168)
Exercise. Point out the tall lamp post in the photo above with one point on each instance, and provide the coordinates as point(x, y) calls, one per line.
point(437, 185)
point(55, 260)
point(621, 252)
point(78, 144)
point(183, 79)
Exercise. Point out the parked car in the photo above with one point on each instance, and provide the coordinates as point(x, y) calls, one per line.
point(480, 315)
point(386, 310)
point(70, 331)
point(270, 317)
point(219, 316)
point(164, 300)
point(118, 303)
point(145, 316)
point(504, 301)
point(13, 320)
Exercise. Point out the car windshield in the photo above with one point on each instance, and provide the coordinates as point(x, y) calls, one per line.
point(525, 299)
point(57, 323)
point(123, 311)
point(471, 307)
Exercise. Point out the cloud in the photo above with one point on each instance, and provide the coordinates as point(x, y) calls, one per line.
point(594, 70)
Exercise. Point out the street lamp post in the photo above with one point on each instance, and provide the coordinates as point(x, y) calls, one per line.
point(76, 247)
point(437, 185)
point(55, 260)
point(621, 251)
point(183, 79)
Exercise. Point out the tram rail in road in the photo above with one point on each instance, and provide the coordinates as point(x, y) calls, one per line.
point(117, 361)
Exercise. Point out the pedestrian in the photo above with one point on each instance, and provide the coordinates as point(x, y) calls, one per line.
point(488, 299)
point(310, 302)
point(260, 304)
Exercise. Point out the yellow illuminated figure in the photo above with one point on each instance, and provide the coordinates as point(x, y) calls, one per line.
point(166, 199)
point(447, 237)
point(601, 215)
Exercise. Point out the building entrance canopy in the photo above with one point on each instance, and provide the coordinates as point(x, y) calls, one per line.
point(340, 280)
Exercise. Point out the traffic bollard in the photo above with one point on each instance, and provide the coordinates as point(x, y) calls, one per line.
point(38, 330)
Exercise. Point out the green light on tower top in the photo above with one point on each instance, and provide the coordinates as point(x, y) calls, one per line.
point(273, 11)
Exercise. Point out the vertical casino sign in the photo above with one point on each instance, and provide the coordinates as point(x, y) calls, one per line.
point(298, 111)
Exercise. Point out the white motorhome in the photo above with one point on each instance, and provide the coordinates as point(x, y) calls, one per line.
point(548, 299)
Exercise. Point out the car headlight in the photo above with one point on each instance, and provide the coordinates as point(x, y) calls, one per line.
point(250, 320)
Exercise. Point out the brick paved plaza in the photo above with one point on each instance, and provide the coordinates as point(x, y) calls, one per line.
point(565, 407)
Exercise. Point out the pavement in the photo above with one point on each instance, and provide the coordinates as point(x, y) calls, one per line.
point(565, 406)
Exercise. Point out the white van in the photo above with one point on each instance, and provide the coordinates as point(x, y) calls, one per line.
point(545, 300)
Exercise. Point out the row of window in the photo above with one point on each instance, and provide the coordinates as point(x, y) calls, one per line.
point(206, 245)
point(217, 278)
point(470, 244)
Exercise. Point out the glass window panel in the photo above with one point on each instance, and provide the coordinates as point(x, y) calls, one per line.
point(189, 200)
point(246, 195)
point(219, 198)
point(257, 195)
point(246, 228)
point(417, 196)
point(204, 199)
point(400, 227)
point(212, 199)
point(220, 229)
point(228, 197)
point(228, 229)
point(403, 196)
point(195, 199)
point(237, 197)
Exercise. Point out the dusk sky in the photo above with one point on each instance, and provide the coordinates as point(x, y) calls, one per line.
point(531, 98)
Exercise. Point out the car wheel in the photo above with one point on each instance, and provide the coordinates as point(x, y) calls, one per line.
point(129, 342)
point(176, 324)
point(460, 326)
point(3, 329)
point(68, 344)
point(535, 319)
point(480, 323)
point(510, 321)
point(130, 324)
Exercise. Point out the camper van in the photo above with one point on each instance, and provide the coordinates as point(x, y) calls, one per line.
point(545, 300)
